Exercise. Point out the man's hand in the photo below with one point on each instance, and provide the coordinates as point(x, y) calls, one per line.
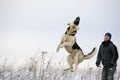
point(111, 65)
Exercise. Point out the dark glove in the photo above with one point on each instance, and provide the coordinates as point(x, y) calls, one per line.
point(97, 64)
point(111, 65)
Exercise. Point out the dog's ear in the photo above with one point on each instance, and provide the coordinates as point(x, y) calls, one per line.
point(77, 20)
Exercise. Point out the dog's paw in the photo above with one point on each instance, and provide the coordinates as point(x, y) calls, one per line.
point(57, 50)
point(72, 70)
point(66, 69)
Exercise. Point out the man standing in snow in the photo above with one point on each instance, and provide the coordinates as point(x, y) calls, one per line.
point(108, 54)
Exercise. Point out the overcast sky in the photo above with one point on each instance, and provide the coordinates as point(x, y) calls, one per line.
point(28, 25)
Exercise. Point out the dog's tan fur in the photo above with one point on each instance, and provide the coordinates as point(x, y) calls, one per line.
point(76, 55)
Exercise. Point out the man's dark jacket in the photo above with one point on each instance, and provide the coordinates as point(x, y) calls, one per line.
point(108, 54)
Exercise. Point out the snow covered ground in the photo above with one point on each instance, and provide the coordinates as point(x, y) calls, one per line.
point(42, 67)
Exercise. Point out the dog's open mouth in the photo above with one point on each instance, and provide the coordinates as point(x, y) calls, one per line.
point(74, 32)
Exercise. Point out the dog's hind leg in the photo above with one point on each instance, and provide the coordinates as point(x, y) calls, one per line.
point(70, 61)
point(76, 61)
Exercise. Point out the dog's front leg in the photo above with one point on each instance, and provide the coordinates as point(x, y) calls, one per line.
point(66, 44)
point(58, 48)
point(61, 42)
point(61, 45)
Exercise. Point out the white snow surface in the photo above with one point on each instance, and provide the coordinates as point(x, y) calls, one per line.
point(44, 67)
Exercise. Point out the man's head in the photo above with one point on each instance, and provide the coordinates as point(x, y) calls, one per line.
point(107, 37)
point(73, 26)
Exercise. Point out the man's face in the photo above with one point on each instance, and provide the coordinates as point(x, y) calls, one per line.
point(106, 38)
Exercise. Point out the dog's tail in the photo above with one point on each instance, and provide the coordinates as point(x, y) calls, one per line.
point(91, 54)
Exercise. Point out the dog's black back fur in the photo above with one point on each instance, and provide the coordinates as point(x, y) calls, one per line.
point(76, 46)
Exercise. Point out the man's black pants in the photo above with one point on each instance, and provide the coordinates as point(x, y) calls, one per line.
point(108, 73)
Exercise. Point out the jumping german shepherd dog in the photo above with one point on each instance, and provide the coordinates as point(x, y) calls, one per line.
point(68, 41)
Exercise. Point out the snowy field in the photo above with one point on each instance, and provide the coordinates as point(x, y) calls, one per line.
point(44, 67)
